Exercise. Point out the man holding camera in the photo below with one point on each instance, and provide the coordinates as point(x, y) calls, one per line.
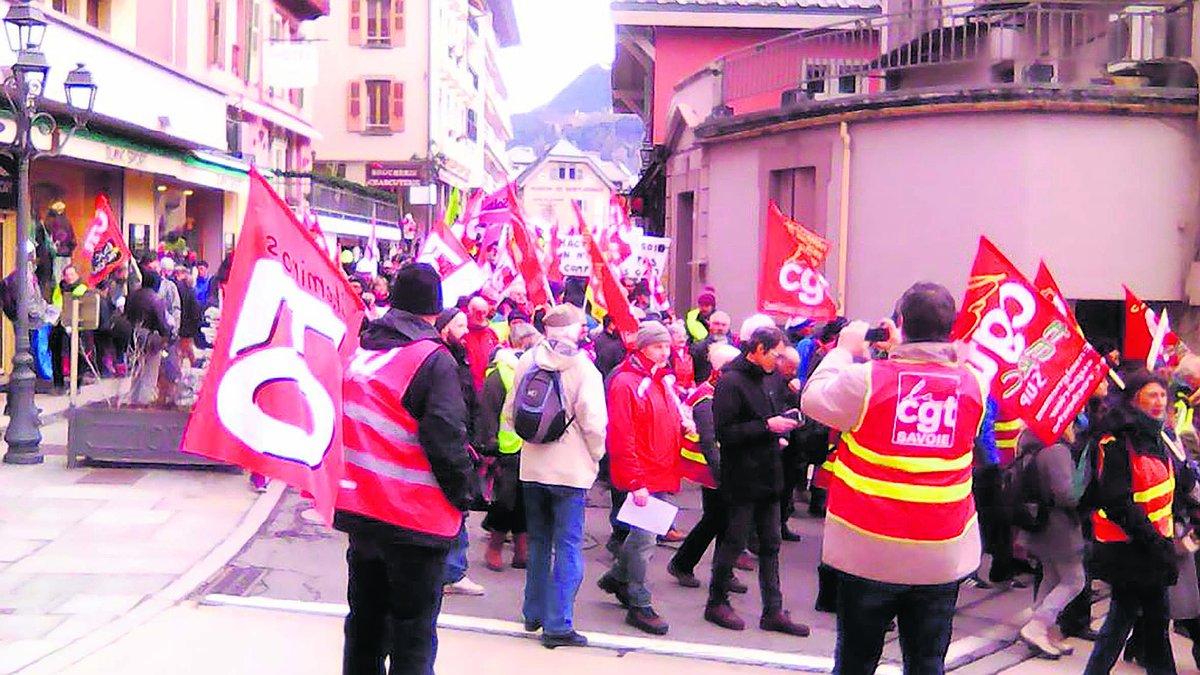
point(901, 527)
point(752, 424)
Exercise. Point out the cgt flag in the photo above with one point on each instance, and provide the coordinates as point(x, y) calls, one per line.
point(523, 250)
point(460, 274)
point(1041, 369)
point(789, 283)
point(272, 399)
point(104, 246)
point(607, 291)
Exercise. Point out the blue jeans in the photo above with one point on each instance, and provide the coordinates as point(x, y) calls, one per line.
point(1128, 601)
point(554, 517)
point(924, 614)
point(456, 557)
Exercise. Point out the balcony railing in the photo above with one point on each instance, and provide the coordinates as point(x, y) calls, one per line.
point(1076, 44)
point(326, 198)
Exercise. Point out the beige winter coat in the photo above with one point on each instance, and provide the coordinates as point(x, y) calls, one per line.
point(574, 459)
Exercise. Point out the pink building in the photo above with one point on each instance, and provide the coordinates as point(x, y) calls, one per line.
point(663, 45)
point(1062, 133)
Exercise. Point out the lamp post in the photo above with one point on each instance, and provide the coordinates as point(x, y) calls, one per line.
point(25, 26)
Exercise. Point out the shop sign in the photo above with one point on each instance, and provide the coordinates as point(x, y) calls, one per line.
point(392, 175)
point(8, 183)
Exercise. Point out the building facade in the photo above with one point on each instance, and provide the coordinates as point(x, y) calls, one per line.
point(1018, 123)
point(163, 144)
point(410, 94)
point(563, 176)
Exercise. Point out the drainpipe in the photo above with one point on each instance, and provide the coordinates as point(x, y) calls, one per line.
point(843, 217)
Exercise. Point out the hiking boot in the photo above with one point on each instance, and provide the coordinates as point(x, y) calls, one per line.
point(781, 622)
point(736, 586)
point(745, 562)
point(724, 616)
point(1037, 636)
point(572, 639)
point(647, 620)
point(493, 558)
point(685, 579)
point(613, 587)
point(520, 559)
point(787, 535)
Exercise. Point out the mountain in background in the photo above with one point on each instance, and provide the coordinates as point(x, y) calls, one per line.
point(582, 113)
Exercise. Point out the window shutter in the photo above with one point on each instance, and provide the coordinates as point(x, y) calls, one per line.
point(356, 31)
point(396, 123)
point(354, 116)
point(397, 23)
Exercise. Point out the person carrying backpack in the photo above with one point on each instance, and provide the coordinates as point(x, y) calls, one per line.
point(557, 469)
point(1055, 537)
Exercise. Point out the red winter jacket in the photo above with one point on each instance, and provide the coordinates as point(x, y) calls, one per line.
point(645, 430)
point(480, 342)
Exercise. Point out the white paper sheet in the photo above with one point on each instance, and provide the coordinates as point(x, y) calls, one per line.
point(656, 516)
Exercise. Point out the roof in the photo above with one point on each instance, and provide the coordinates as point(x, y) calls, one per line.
point(566, 150)
point(740, 5)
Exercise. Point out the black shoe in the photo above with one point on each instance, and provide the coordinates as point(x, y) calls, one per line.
point(736, 586)
point(685, 579)
point(647, 620)
point(532, 626)
point(788, 535)
point(781, 622)
point(613, 587)
point(572, 639)
point(1085, 633)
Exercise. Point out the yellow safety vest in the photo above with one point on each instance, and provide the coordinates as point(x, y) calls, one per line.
point(509, 442)
point(694, 327)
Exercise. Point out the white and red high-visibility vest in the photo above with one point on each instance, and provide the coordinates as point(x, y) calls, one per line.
point(388, 476)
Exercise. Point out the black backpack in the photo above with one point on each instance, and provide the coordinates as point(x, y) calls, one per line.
point(540, 411)
point(1021, 494)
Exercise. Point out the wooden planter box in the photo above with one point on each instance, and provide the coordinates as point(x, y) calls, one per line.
point(137, 435)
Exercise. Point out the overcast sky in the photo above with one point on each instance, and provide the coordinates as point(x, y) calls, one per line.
point(559, 40)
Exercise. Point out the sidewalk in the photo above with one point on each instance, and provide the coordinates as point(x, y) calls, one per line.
point(86, 554)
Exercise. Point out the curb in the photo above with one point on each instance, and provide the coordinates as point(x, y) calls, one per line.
point(62, 659)
point(618, 643)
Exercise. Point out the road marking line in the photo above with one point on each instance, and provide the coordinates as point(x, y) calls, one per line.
point(621, 643)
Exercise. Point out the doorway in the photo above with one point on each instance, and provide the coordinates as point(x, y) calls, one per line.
point(685, 223)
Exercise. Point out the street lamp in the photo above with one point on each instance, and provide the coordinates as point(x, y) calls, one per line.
point(25, 26)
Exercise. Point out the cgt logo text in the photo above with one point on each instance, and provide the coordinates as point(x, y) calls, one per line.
point(926, 411)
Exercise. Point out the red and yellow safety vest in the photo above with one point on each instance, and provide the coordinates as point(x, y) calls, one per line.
point(903, 473)
point(694, 466)
point(1153, 481)
point(388, 476)
point(1007, 433)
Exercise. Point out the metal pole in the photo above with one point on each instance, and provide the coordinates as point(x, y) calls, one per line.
point(74, 349)
point(22, 436)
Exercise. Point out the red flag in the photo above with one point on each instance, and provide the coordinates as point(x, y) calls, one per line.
point(1138, 333)
point(460, 274)
point(272, 398)
point(1041, 369)
point(103, 245)
point(789, 283)
point(314, 228)
point(554, 270)
point(606, 289)
point(524, 254)
point(1046, 285)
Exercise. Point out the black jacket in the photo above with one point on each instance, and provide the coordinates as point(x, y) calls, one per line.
point(435, 400)
point(1146, 558)
point(751, 465)
point(145, 308)
point(700, 362)
point(190, 311)
point(610, 352)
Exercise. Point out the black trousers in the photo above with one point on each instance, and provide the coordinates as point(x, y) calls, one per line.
point(762, 517)
point(395, 595)
point(713, 521)
point(793, 470)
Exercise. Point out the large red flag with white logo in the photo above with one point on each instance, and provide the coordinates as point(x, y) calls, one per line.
point(523, 250)
point(607, 291)
point(789, 282)
point(460, 274)
point(103, 245)
point(1041, 369)
point(1141, 333)
point(1045, 284)
point(272, 399)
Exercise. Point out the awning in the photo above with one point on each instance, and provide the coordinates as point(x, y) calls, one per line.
point(356, 228)
point(278, 117)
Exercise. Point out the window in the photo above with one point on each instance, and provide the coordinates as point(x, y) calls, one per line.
point(795, 190)
point(472, 127)
point(379, 104)
point(60, 6)
point(847, 84)
point(562, 173)
point(99, 14)
point(574, 174)
point(253, 30)
point(814, 78)
point(379, 22)
point(216, 33)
